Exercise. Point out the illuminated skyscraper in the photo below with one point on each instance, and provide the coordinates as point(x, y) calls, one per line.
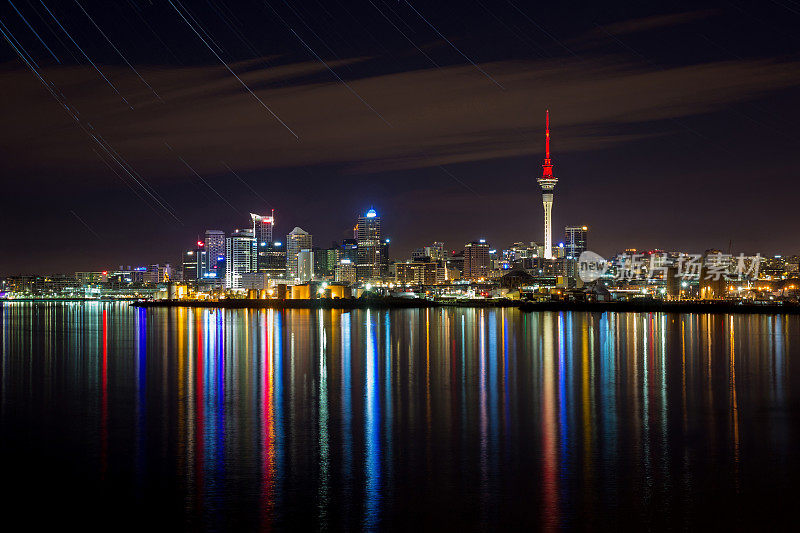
point(305, 265)
point(272, 259)
point(547, 182)
point(214, 264)
point(241, 257)
point(325, 261)
point(263, 226)
point(297, 240)
point(476, 260)
point(574, 246)
point(368, 235)
point(384, 259)
point(349, 250)
point(575, 241)
point(190, 264)
point(346, 271)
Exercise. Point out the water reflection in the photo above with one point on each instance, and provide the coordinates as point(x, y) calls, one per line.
point(372, 427)
point(363, 419)
point(550, 456)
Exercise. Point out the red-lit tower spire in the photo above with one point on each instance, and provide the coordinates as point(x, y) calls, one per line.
point(547, 166)
point(547, 182)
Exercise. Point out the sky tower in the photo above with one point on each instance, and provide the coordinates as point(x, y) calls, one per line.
point(547, 182)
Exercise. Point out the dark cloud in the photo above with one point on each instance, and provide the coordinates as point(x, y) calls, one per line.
point(438, 116)
point(656, 21)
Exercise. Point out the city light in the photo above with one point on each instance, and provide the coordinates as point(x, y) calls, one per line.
point(495, 365)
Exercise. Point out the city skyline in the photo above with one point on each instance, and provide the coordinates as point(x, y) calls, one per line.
point(219, 238)
point(399, 264)
point(664, 117)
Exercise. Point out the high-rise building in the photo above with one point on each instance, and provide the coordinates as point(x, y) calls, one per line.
point(346, 271)
point(476, 260)
point(455, 264)
point(190, 264)
point(574, 246)
point(157, 273)
point(419, 273)
point(384, 259)
point(262, 227)
point(349, 250)
point(575, 241)
point(547, 182)
point(240, 256)
point(305, 265)
point(435, 252)
point(271, 259)
point(297, 240)
point(214, 264)
point(325, 260)
point(368, 235)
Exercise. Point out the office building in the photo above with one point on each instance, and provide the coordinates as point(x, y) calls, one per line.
point(297, 240)
point(575, 241)
point(574, 246)
point(434, 252)
point(345, 271)
point(305, 265)
point(214, 264)
point(271, 259)
point(455, 265)
point(476, 260)
point(325, 260)
point(384, 259)
point(262, 227)
point(256, 281)
point(419, 273)
point(190, 263)
point(240, 256)
point(154, 274)
point(349, 250)
point(368, 235)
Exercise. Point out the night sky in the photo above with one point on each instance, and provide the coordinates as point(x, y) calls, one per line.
point(675, 125)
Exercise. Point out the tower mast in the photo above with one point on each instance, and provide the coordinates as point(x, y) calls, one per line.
point(547, 182)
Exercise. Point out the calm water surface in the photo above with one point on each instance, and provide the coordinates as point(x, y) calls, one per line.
point(115, 417)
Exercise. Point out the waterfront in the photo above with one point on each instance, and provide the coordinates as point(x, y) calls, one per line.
point(444, 417)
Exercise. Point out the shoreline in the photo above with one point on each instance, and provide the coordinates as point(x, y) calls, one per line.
point(403, 303)
point(321, 303)
point(709, 307)
point(713, 307)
